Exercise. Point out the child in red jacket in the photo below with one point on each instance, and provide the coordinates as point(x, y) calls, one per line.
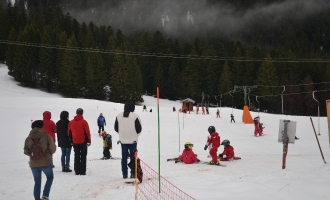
point(261, 129)
point(188, 156)
point(228, 151)
point(213, 142)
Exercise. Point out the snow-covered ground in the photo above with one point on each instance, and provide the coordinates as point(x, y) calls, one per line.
point(258, 176)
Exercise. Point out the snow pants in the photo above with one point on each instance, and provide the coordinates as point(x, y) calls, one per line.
point(256, 129)
point(213, 154)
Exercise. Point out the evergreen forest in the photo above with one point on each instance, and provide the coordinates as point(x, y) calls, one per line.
point(273, 51)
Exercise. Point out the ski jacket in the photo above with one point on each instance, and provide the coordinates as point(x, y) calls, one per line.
point(79, 131)
point(49, 125)
point(47, 144)
point(62, 133)
point(188, 156)
point(229, 152)
point(213, 140)
point(101, 121)
point(128, 126)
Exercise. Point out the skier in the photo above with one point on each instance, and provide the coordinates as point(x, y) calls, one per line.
point(101, 123)
point(261, 129)
point(197, 109)
point(188, 156)
point(107, 145)
point(218, 113)
point(207, 109)
point(173, 109)
point(203, 111)
point(144, 108)
point(213, 142)
point(256, 126)
point(228, 151)
point(232, 118)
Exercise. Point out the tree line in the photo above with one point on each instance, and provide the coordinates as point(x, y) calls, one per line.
point(52, 50)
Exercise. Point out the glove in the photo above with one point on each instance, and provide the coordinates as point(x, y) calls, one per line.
point(118, 142)
point(205, 147)
point(220, 155)
point(198, 160)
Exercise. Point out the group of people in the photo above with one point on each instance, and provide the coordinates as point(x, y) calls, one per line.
point(40, 143)
point(212, 143)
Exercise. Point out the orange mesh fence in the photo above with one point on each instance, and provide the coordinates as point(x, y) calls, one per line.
point(148, 185)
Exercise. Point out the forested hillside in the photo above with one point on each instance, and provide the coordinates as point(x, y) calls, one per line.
point(115, 50)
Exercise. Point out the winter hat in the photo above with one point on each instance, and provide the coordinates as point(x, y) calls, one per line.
point(129, 106)
point(64, 115)
point(37, 124)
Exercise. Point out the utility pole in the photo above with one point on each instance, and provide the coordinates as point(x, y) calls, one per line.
point(245, 91)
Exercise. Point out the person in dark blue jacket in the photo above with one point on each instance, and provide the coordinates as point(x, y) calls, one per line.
point(101, 123)
point(63, 140)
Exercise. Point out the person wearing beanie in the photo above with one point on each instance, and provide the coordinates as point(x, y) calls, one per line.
point(80, 138)
point(128, 126)
point(43, 162)
point(49, 126)
point(63, 140)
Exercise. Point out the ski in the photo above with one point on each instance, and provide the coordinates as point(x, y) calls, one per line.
point(203, 162)
point(172, 159)
point(111, 158)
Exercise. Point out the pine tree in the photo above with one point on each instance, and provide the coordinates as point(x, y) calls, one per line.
point(47, 58)
point(267, 77)
point(225, 84)
point(11, 52)
point(192, 78)
point(69, 71)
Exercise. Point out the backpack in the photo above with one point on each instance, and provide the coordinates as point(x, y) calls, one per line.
point(108, 140)
point(36, 151)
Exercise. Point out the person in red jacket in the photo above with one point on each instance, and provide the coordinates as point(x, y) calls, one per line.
point(261, 129)
point(256, 126)
point(228, 151)
point(213, 142)
point(80, 137)
point(49, 126)
point(188, 156)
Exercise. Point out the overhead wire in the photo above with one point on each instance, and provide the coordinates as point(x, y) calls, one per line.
point(161, 55)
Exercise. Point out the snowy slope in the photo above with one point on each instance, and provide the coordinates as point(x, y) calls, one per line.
point(258, 175)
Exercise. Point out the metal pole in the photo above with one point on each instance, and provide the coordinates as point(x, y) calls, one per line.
point(258, 105)
point(220, 100)
point(179, 128)
point(318, 113)
point(249, 97)
point(217, 101)
point(317, 139)
point(282, 99)
point(231, 102)
point(285, 142)
point(158, 140)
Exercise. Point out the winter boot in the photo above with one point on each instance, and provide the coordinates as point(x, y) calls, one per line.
point(124, 176)
point(44, 198)
point(67, 169)
point(132, 176)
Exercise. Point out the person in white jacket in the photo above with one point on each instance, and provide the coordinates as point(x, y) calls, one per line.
point(128, 126)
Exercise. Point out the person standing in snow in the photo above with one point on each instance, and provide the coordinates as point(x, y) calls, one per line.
point(64, 141)
point(213, 142)
point(228, 151)
point(80, 138)
point(128, 126)
point(256, 126)
point(38, 137)
point(188, 156)
point(218, 113)
point(101, 123)
point(144, 108)
point(107, 145)
point(203, 111)
point(232, 118)
point(49, 126)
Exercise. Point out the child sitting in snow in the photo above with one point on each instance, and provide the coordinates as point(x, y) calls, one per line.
point(228, 152)
point(107, 145)
point(188, 156)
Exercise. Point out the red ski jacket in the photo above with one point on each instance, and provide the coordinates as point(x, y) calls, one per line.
point(229, 152)
point(213, 140)
point(49, 126)
point(78, 130)
point(188, 156)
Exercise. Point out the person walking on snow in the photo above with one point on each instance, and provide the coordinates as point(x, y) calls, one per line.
point(218, 113)
point(188, 156)
point(228, 151)
point(232, 118)
point(213, 142)
point(101, 123)
point(203, 111)
point(38, 138)
point(128, 126)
